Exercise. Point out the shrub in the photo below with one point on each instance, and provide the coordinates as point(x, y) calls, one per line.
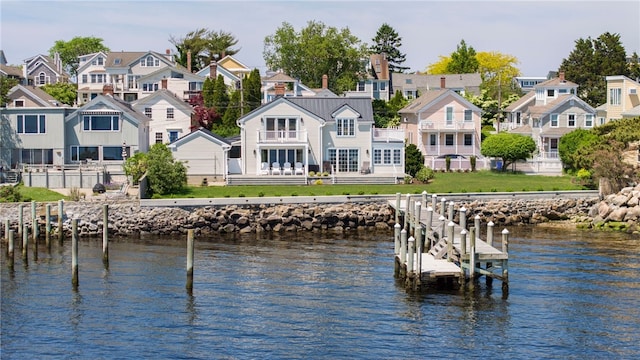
point(10, 193)
point(472, 161)
point(75, 194)
point(360, 192)
point(407, 179)
point(260, 194)
point(318, 182)
point(312, 173)
point(447, 161)
point(425, 174)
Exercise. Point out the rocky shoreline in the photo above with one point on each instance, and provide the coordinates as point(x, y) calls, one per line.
point(127, 218)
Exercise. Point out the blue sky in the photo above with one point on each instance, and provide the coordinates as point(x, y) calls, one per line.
point(539, 33)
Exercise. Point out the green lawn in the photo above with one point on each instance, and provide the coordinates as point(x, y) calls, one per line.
point(481, 181)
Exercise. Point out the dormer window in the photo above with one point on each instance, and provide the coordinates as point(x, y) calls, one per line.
point(345, 127)
point(550, 93)
point(117, 61)
point(563, 91)
point(150, 61)
point(98, 61)
point(18, 103)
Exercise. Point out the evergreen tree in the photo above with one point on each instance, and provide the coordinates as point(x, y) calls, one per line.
point(413, 159)
point(207, 92)
point(389, 42)
point(220, 95)
point(591, 61)
point(463, 60)
point(634, 67)
point(251, 85)
point(228, 126)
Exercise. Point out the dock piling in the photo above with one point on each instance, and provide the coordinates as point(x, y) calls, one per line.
point(190, 251)
point(463, 217)
point(20, 219)
point(105, 235)
point(505, 262)
point(74, 253)
point(10, 250)
point(490, 226)
point(450, 232)
point(60, 216)
point(47, 226)
point(25, 244)
point(396, 237)
point(451, 211)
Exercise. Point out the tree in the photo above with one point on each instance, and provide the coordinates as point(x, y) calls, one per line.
point(490, 105)
point(497, 71)
point(571, 148)
point(439, 67)
point(135, 166)
point(315, 51)
point(590, 61)
point(463, 60)
point(413, 160)
point(228, 126)
point(70, 50)
point(165, 175)
point(66, 93)
point(388, 41)
point(205, 45)
point(508, 147)
point(252, 88)
point(6, 84)
point(208, 89)
point(202, 116)
point(634, 67)
point(220, 95)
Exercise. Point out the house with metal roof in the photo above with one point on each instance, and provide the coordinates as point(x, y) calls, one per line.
point(299, 135)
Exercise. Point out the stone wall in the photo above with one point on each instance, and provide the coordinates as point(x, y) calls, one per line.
point(619, 211)
point(129, 219)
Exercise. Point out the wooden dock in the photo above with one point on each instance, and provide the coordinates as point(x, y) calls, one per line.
point(431, 249)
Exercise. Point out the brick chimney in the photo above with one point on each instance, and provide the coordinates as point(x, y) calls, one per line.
point(164, 83)
point(213, 70)
point(443, 83)
point(107, 89)
point(189, 61)
point(561, 75)
point(325, 81)
point(168, 51)
point(279, 89)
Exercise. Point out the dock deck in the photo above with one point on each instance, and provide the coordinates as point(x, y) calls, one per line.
point(441, 249)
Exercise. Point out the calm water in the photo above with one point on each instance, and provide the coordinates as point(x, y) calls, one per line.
point(572, 295)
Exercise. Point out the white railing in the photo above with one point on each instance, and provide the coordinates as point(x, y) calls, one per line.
point(460, 125)
point(388, 134)
point(281, 136)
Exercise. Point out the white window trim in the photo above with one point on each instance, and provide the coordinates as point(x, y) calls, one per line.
point(551, 120)
point(448, 122)
point(453, 137)
point(575, 120)
point(587, 116)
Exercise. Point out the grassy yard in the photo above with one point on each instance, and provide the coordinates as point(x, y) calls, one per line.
point(481, 181)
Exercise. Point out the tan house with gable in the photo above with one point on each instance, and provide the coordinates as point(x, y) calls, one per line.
point(623, 99)
point(442, 123)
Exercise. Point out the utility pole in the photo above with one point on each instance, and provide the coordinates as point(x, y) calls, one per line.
point(499, 100)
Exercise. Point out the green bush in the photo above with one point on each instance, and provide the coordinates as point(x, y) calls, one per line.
point(425, 174)
point(10, 193)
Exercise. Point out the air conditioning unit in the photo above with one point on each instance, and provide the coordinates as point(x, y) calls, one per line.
point(633, 91)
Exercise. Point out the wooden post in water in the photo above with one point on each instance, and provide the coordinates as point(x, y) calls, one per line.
point(490, 233)
point(403, 251)
point(25, 244)
point(20, 219)
point(451, 211)
point(443, 206)
point(472, 258)
point(411, 213)
point(396, 238)
point(7, 227)
point(10, 255)
point(398, 208)
point(60, 216)
point(463, 217)
point(190, 260)
point(417, 233)
point(451, 227)
point(463, 251)
point(505, 262)
point(105, 234)
point(410, 253)
point(74, 253)
point(47, 226)
point(34, 221)
point(406, 212)
point(476, 223)
point(434, 201)
point(427, 230)
point(424, 197)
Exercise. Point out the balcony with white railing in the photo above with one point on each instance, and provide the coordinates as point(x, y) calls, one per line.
point(428, 125)
point(388, 134)
point(282, 136)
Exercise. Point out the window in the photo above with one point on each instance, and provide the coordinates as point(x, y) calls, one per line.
point(468, 115)
point(518, 118)
point(117, 61)
point(377, 156)
point(563, 91)
point(344, 160)
point(602, 121)
point(170, 113)
point(84, 78)
point(375, 86)
point(173, 135)
point(18, 103)
point(408, 81)
point(397, 156)
point(550, 93)
point(149, 87)
point(449, 115)
point(36, 156)
point(361, 86)
point(468, 139)
point(147, 112)
point(132, 81)
point(615, 96)
point(101, 122)
point(386, 156)
point(80, 153)
point(571, 120)
point(42, 78)
point(158, 138)
point(98, 78)
point(433, 140)
point(31, 124)
point(345, 127)
point(150, 61)
point(588, 120)
point(383, 86)
point(114, 153)
point(448, 140)
point(554, 120)
point(98, 61)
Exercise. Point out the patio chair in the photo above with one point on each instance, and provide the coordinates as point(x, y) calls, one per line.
point(365, 168)
point(287, 168)
point(299, 169)
point(264, 169)
point(275, 168)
